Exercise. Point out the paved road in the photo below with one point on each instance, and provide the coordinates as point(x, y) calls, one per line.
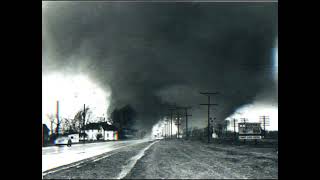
point(178, 159)
point(56, 156)
point(115, 164)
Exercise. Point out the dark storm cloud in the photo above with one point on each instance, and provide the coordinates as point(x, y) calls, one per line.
point(155, 54)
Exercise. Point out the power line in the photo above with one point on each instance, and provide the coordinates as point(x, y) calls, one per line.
point(84, 119)
point(265, 121)
point(58, 122)
point(208, 95)
point(244, 120)
point(186, 115)
point(178, 123)
point(171, 114)
point(234, 128)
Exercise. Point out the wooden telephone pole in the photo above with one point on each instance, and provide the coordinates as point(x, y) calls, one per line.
point(244, 120)
point(265, 121)
point(171, 116)
point(58, 121)
point(208, 95)
point(178, 124)
point(234, 128)
point(186, 115)
point(84, 119)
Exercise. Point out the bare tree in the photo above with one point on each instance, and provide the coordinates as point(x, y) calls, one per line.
point(52, 120)
point(89, 115)
point(66, 126)
point(79, 120)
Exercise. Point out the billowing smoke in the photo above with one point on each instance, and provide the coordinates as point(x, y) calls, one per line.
point(151, 55)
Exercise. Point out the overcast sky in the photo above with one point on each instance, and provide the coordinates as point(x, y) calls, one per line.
point(151, 55)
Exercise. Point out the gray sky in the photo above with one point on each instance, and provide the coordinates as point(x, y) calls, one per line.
point(151, 55)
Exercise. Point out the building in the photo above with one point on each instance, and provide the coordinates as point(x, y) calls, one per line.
point(94, 131)
point(45, 135)
point(110, 132)
point(110, 135)
point(101, 131)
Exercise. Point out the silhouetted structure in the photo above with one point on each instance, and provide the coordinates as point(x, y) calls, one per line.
point(123, 120)
point(45, 135)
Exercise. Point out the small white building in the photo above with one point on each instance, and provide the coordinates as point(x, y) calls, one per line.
point(94, 132)
point(110, 135)
point(101, 130)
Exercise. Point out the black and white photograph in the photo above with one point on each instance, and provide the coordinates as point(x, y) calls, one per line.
point(160, 89)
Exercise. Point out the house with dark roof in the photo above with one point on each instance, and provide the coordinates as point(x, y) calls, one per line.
point(101, 131)
point(45, 135)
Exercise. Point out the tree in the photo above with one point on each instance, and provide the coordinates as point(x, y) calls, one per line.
point(88, 115)
point(123, 118)
point(79, 120)
point(68, 126)
point(52, 120)
point(74, 126)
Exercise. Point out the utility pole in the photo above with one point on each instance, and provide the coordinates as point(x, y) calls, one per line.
point(178, 123)
point(57, 116)
point(208, 95)
point(171, 116)
point(171, 125)
point(167, 132)
point(165, 129)
point(186, 114)
point(234, 128)
point(264, 126)
point(168, 129)
point(265, 121)
point(84, 119)
point(244, 120)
